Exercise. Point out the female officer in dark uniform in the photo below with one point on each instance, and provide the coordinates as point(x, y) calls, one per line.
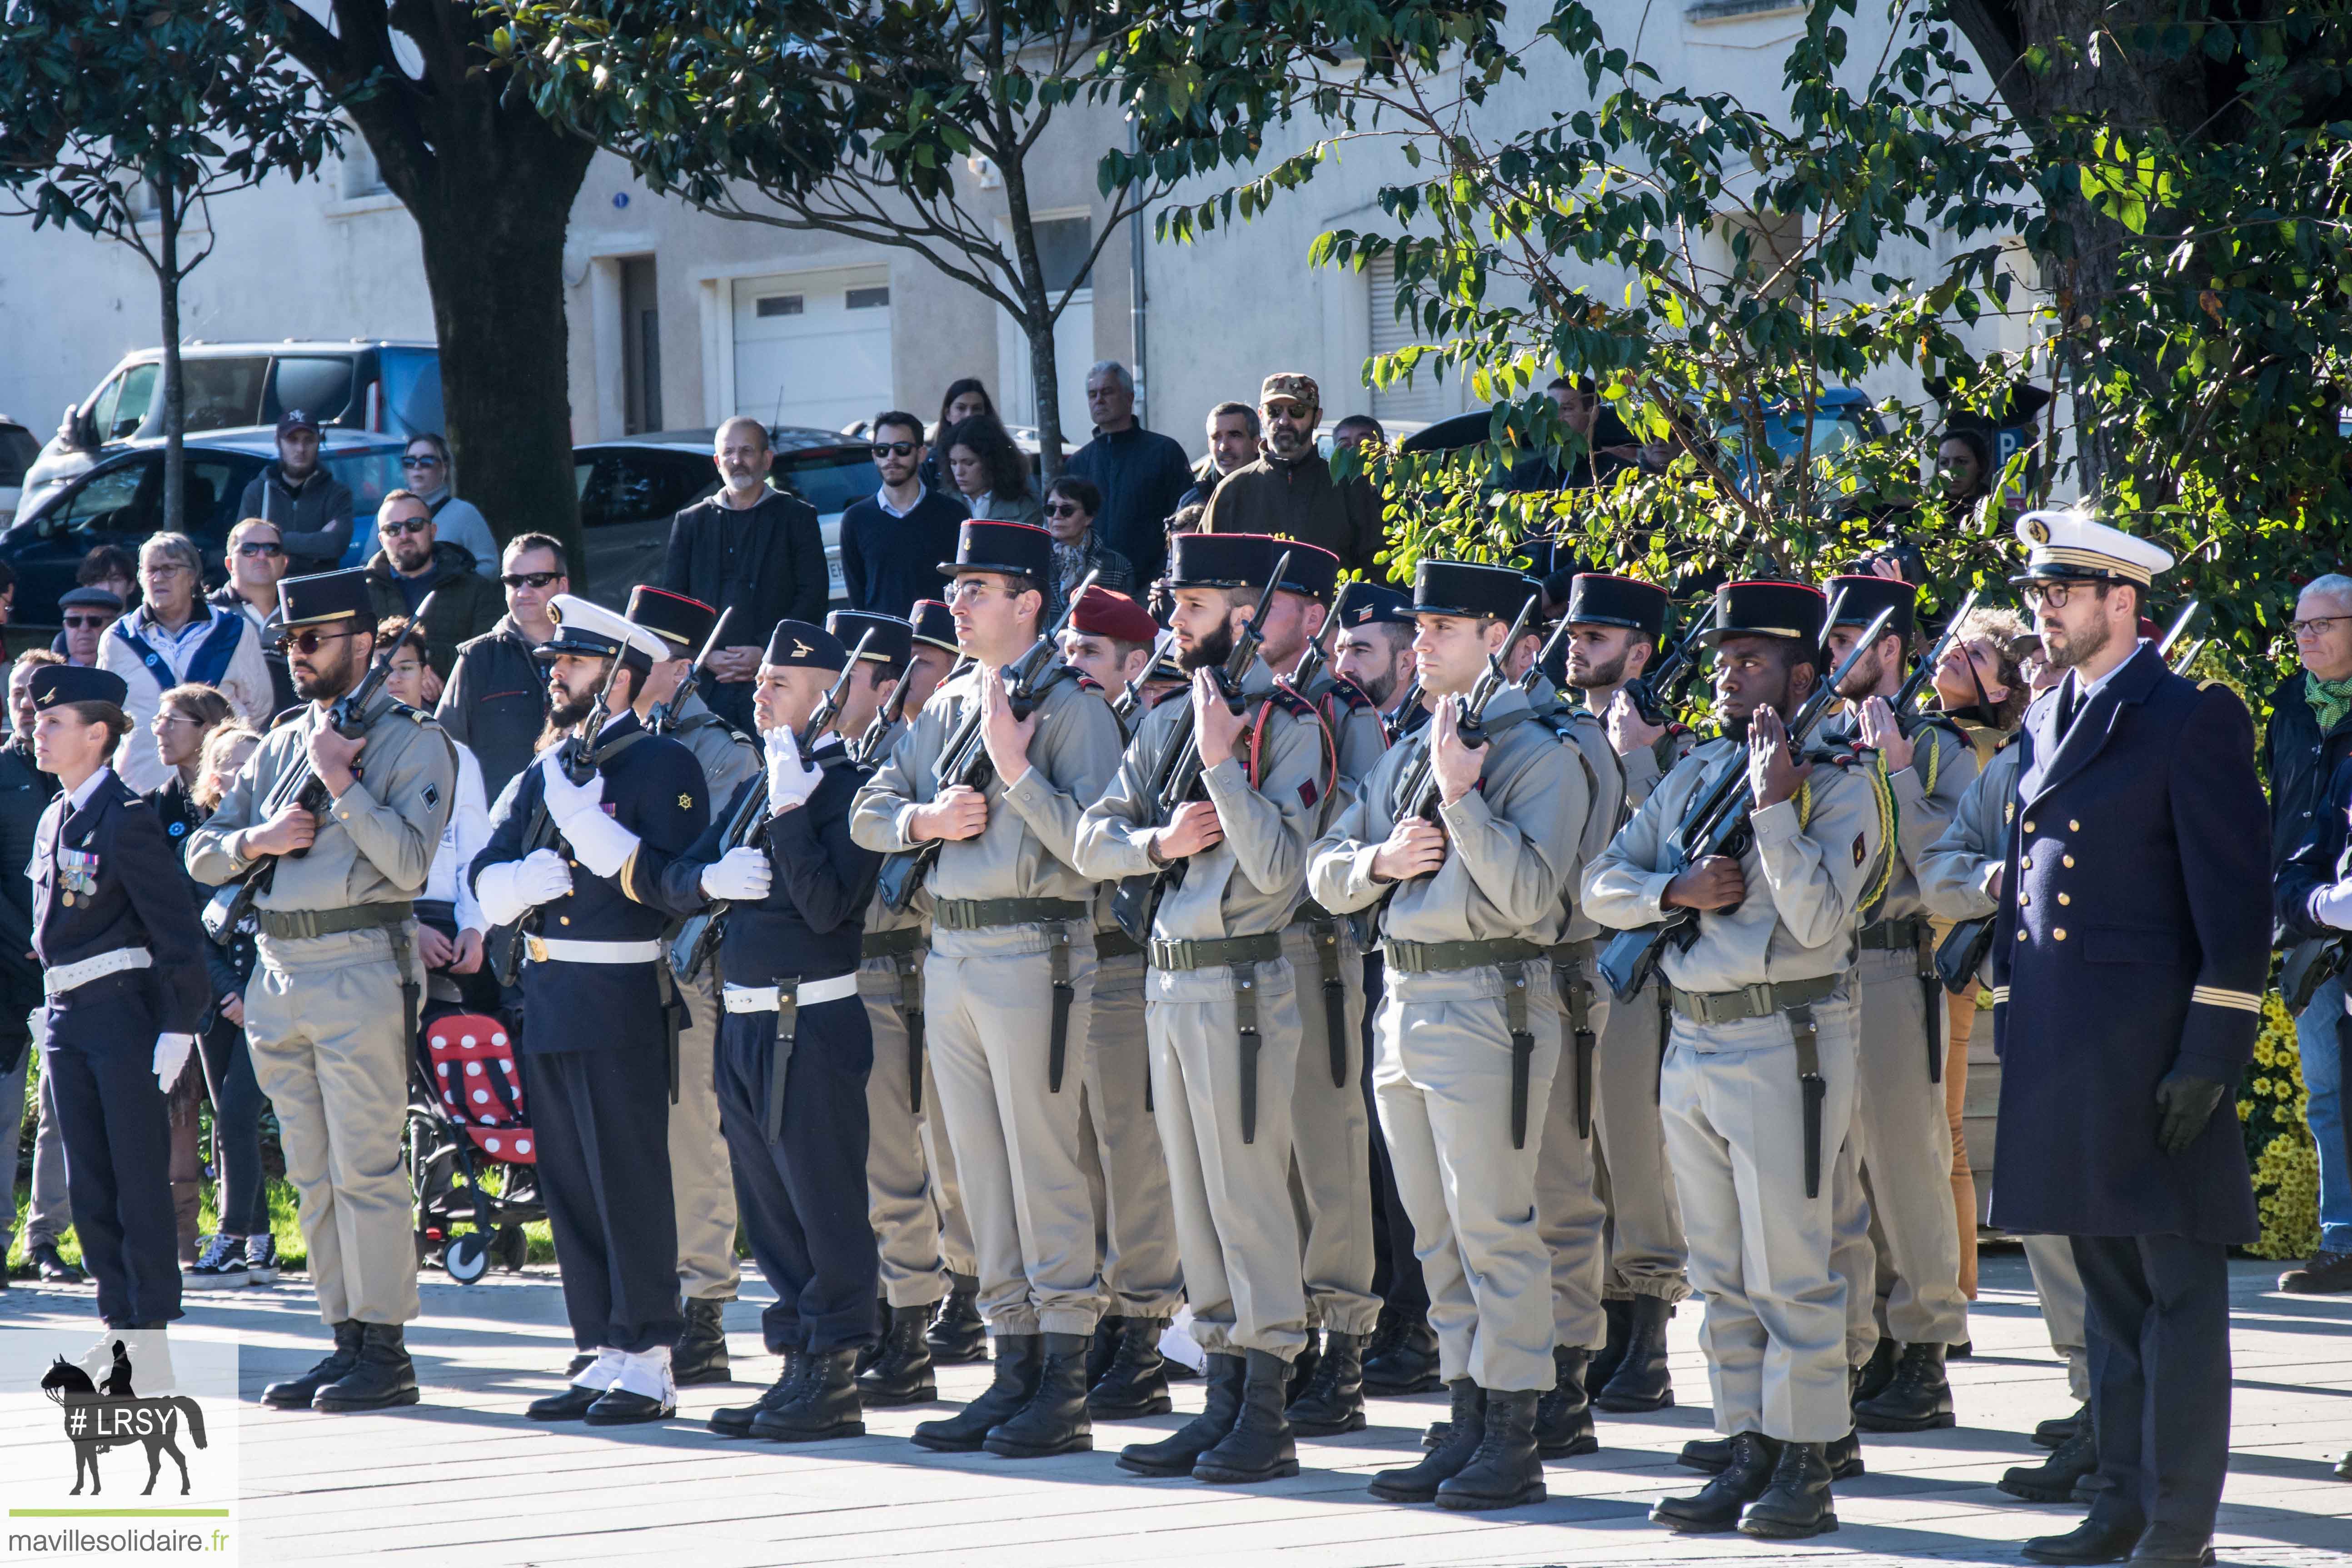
point(122, 962)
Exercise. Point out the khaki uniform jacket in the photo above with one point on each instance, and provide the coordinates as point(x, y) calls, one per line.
point(1807, 873)
point(1646, 765)
point(374, 844)
point(1029, 846)
point(1512, 856)
point(1604, 775)
point(1921, 814)
point(1251, 881)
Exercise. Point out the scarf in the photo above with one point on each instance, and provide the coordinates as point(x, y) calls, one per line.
point(2329, 699)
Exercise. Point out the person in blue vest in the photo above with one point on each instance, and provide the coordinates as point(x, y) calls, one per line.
point(600, 1009)
point(2130, 952)
point(122, 963)
point(175, 637)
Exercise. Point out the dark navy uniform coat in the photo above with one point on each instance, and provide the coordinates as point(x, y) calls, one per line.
point(2133, 941)
point(131, 892)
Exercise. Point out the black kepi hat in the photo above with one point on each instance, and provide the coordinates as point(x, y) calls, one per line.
point(893, 639)
point(799, 642)
point(934, 623)
point(683, 622)
point(1605, 599)
point(1222, 560)
point(1313, 573)
point(1470, 589)
point(1016, 549)
point(1859, 596)
point(54, 685)
point(323, 597)
point(1766, 609)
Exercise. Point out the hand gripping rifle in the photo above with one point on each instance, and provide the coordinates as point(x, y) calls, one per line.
point(749, 825)
point(1417, 792)
point(1652, 690)
point(301, 786)
point(964, 759)
point(664, 716)
point(1176, 778)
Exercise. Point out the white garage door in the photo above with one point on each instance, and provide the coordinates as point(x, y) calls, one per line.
point(813, 348)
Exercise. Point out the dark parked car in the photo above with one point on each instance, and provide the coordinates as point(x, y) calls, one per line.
point(19, 447)
point(119, 501)
point(630, 489)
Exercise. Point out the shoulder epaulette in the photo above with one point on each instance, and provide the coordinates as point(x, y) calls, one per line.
point(1354, 698)
point(1089, 683)
point(2208, 685)
point(288, 715)
point(1291, 702)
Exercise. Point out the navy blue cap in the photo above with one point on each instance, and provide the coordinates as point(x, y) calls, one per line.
point(1866, 594)
point(798, 643)
point(1313, 573)
point(1372, 603)
point(54, 685)
point(323, 597)
point(1470, 589)
point(893, 639)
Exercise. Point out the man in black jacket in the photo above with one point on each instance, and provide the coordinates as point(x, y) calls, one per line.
point(415, 564)
point(2309, 738)
point(748, 549)
point(311, 506)
point(1141, 473)
point(496, 701)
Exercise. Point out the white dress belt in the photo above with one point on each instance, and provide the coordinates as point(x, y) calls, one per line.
point(65, 977)
point(767, 998)
point(543, 950)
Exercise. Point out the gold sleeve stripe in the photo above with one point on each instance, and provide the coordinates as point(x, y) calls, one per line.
point(2214, 996)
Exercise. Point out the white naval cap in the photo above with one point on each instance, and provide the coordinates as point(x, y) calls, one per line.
point(590, 629)
point(2066, 543)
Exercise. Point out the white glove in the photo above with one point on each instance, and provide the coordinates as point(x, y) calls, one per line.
point(507, 889)
point(790, 780)
point(568, 802)
point(170, 1055)
point(601, 843)
point(741, 876)
point(2332, 906)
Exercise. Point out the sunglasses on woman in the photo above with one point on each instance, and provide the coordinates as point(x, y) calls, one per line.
point(1065, 509)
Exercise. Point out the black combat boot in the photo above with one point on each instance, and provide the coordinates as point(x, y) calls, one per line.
point(1564, 1416)
point(1053, 1419)
point(1708, 1456)
point(1715, 1506)
point(2049, 1433)
point(735, 1420)
point(1333, 1399)
point(1465, 1430)
point(700, 1356)
point(868, 1354)
point(296, 1393)
point(1258, 1447)
point(1175, 1454)
point(1301, 1370)
point(1871, 1378)
point(1639, 1381)
point(2053, 1480)
point(1506, 1471)
point(959, 1334)
point(382, 1377)
point(1845, 1454)
point(1134, 1383)
point(2093, 1540)
point(1918, 1398)
point(1620, 1327)
point(900, 1371)
point(824, 1403)
point(1019, 1359)
point(1103, 1346)
point(1407, 1364)
point(1796, 1504)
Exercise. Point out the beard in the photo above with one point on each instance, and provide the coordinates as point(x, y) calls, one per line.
point(2079, 645)
point(1210, 652)
point(1286, 443)
point(410, 564)
point(564, 711)
point(1862, 679)
point(326, 680)
point(1610, 674)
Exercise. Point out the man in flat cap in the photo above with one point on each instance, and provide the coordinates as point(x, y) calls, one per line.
point(331, 1011)
point(1289, 490)
point(2130, 955)
point(1008, 986)
point(1759, 1078)
point(600, 1010)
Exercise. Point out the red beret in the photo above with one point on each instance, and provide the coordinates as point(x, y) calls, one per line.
point(1105, 613)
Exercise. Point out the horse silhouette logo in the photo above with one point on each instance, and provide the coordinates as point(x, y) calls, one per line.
point(98, 1419)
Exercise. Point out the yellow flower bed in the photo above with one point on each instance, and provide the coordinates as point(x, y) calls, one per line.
point(2271, 1109)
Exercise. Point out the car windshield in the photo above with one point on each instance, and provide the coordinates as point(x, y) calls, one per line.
point(412, 390)
point(828, 478)
point(221, 393)
point(19, 447)
point(1784, 431)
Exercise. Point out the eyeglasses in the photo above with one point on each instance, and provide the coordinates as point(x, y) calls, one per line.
point(2314, 626)
point(252, 550)
point(394, 529)
point(163, 718)
point(531, 579)
point(893, 450)
point(1286, 411)
point(427, 461)
point(1065, 509)
point(309, 639)
point(88, 623)
point(2052, 595)
point(164, 569)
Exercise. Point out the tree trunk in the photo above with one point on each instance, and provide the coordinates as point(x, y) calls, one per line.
point(1047, 377)
point(175, 418)
point(1038, 322)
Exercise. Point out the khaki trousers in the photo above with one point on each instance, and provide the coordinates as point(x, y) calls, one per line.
point(1906, 1138)
point(1643, 1239)
point(1759, 1248)
point(1960, 1018)
point(988, 1020)
point(910, 1193)
point(2059, 1282)
point(1331, 1158)
point(325, 1020)
point(1238, 1237)
point(1442, 1078)
point(1127, 1171)
point(1853, 1256)
point(1569, 1212)
point(702, 1182)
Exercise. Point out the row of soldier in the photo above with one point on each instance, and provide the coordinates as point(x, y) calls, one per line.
point(1046, 956)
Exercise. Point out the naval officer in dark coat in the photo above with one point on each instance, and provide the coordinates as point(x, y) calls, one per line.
point(2130, 954)
point(122, 963)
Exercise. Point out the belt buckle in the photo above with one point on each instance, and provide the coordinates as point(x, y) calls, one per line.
point(1760, 999)
point(535, 946)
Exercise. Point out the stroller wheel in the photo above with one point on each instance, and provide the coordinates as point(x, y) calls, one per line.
point(468, 1256)
point(512, 1248)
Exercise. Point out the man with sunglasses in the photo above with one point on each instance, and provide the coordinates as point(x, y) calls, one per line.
point(496, 699)
point(87, 611)
point(257, 562)
point(890, 540)
point(424, 469)
point(331, 1012)
point(417, 564)
point(1289, 491)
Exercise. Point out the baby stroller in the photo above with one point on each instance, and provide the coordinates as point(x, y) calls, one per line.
point(464, 1112)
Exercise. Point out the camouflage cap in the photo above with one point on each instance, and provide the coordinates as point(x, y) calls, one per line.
point(1290, 384)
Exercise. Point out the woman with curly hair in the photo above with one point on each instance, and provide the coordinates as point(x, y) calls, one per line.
point(991, 472)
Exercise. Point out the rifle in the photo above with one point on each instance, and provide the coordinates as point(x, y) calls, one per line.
point(748, 824)
point(1543, 655)
point(964, 759)
point(1716, 823)
point(577, 755)
point(1923, 671)
point(1177, 777)
point(1394, 727)
point(1417, 788)
point(301, 786)
point(1665, 682)
point(1130, 696)
point(2181, 624)
point(869, 745)
point(1319, 652)
point(664, 716)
